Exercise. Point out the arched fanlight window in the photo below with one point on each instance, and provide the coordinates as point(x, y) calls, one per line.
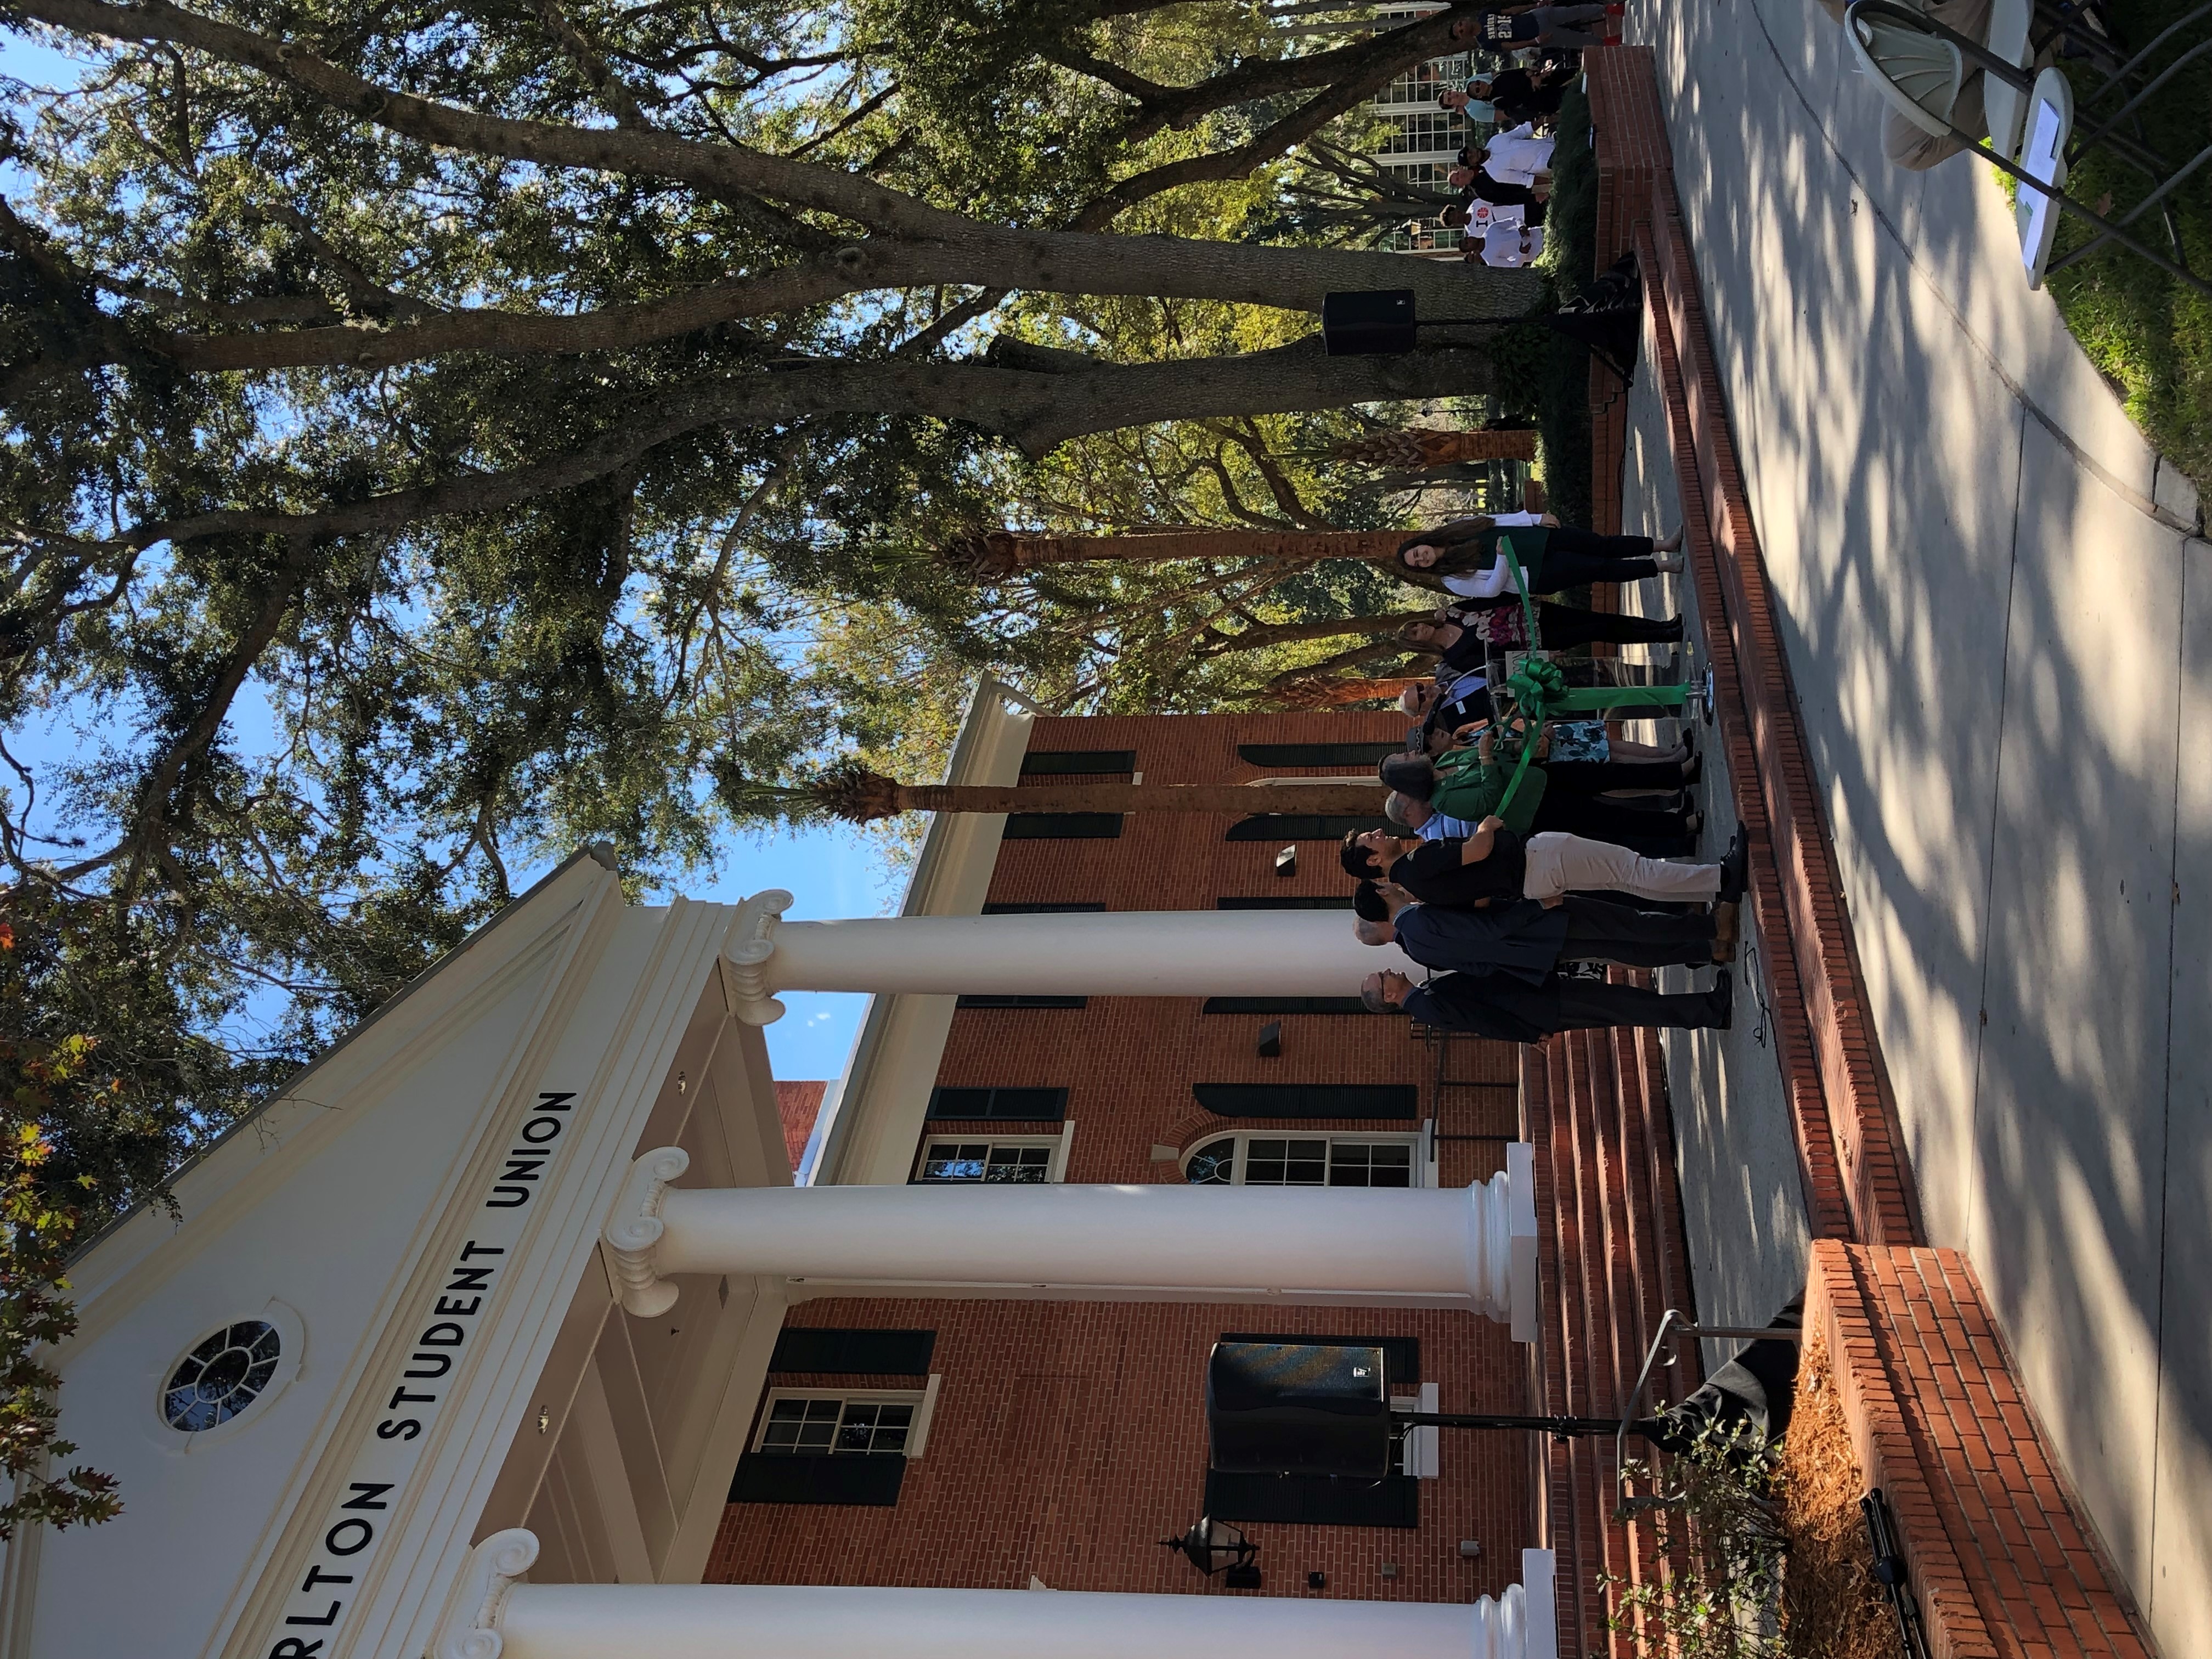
point(1274, 1160)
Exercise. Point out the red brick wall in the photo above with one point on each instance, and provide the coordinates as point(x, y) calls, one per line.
point(1998, 1561)
point(798, 1104)
point(1069, 1436)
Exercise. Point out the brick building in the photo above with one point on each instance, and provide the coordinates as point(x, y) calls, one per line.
point(1063, 1437)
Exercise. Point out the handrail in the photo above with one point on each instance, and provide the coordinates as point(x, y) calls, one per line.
point(1673, 1324)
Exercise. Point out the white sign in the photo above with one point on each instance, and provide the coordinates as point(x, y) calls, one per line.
point(445, 1326)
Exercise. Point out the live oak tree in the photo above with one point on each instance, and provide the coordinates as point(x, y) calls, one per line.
point(436, 440)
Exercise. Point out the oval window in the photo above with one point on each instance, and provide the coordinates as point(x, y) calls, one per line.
point(222, 1375)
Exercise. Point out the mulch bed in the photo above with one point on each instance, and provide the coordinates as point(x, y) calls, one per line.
point(1832, 1609)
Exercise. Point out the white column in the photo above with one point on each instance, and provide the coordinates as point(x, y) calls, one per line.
point(1474, 1242)
point(491, 1617)
point(1138, 953)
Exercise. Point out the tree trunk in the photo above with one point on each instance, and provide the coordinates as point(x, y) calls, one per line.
point(860, 797)
point(1426, 446)
point(995, 555)
point(1329, 693)
point(1262, 634)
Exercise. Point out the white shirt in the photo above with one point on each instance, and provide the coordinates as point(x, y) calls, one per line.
point(1516, 157)
point(1502, 246)
point(1490, 583)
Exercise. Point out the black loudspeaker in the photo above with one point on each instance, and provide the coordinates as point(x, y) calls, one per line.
point(1283, 1408)
point(1367, 323)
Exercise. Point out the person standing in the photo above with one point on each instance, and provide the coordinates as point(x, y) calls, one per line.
point(1494, 865)
point(1464, 554)
point(1511, 1012)
point(1543, 26)
point(1470, 785)
point(1528, 939)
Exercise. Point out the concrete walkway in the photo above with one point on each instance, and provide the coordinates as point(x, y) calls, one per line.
point(2000, 627)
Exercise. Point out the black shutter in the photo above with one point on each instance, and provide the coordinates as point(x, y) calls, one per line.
point(854, 1353)
point(1361, 756)
point(1313, 1500)
point(1064, 826)
point(1401, 1355)
point(1295, 826)
point(1359, 1101)
point(1079, 762)
point(1000, 1105)
point(1283, 1005)
point(869, 1480)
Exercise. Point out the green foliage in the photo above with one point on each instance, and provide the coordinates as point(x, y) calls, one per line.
point(2150, 335)
point(1561, 384)
point(1715, 1517)
point(76, 1110)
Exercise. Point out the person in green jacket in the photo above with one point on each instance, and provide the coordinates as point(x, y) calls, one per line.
point(1470, 784)
point(1464, 556)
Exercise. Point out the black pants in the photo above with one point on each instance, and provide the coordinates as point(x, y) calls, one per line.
point(1580, 1005)
point(1598, 932)
point(1564, 626)
point(1656, 834)
point(1575, 557)
point(1596, 777)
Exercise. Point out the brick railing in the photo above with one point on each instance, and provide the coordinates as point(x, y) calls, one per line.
point(1999, 1562)
point(2002, 1563)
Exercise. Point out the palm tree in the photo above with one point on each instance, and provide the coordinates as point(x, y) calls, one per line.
point(995, 555)
point(857, 795)
point(1325, 692)
point(1427, 447)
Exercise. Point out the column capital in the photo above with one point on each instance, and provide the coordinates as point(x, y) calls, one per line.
point(633, 1235)
point(745, 954)
point(469, 1628)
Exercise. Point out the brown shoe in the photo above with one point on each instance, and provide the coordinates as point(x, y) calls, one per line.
point(1727, 923)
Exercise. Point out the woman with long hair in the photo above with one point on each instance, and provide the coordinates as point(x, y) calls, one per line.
point(1464, 556)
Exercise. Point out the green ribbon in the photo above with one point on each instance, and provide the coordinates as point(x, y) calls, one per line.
point(1539, 688)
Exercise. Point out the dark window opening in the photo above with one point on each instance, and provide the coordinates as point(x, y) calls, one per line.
point(1355, 756)
point(1359, 1101)
point(818, 1478)
point(1063, 826)
point(1401, 1355)
point(1283, 1005)
point(1062, 763)
point(1000, 1105)
point(1293, 826)
point(855, 1352)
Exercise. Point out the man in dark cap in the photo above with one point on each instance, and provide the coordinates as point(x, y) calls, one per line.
point(1500, 1006)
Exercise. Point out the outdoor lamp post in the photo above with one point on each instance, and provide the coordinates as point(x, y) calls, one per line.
point(1213, 1546)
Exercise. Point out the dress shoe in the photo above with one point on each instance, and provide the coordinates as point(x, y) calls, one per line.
point(1735, 868)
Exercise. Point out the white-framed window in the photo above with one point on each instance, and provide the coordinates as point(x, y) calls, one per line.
point(1022, 1160)
point(1420, 1445)
point(846, 1422)
point(1270, 1158)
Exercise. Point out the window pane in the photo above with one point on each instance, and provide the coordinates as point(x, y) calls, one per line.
point(949, 1160)
point(1022, 1163)
point(1273, 1163)
point(1365, 1164)
point(1213, 1165)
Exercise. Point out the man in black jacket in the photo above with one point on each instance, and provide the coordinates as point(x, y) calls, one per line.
point(1496, 1005)
point(1525, 939)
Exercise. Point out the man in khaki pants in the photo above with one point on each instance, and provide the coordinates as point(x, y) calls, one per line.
point(1495, 865)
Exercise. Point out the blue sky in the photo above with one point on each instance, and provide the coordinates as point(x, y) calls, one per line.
point(833, 872)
